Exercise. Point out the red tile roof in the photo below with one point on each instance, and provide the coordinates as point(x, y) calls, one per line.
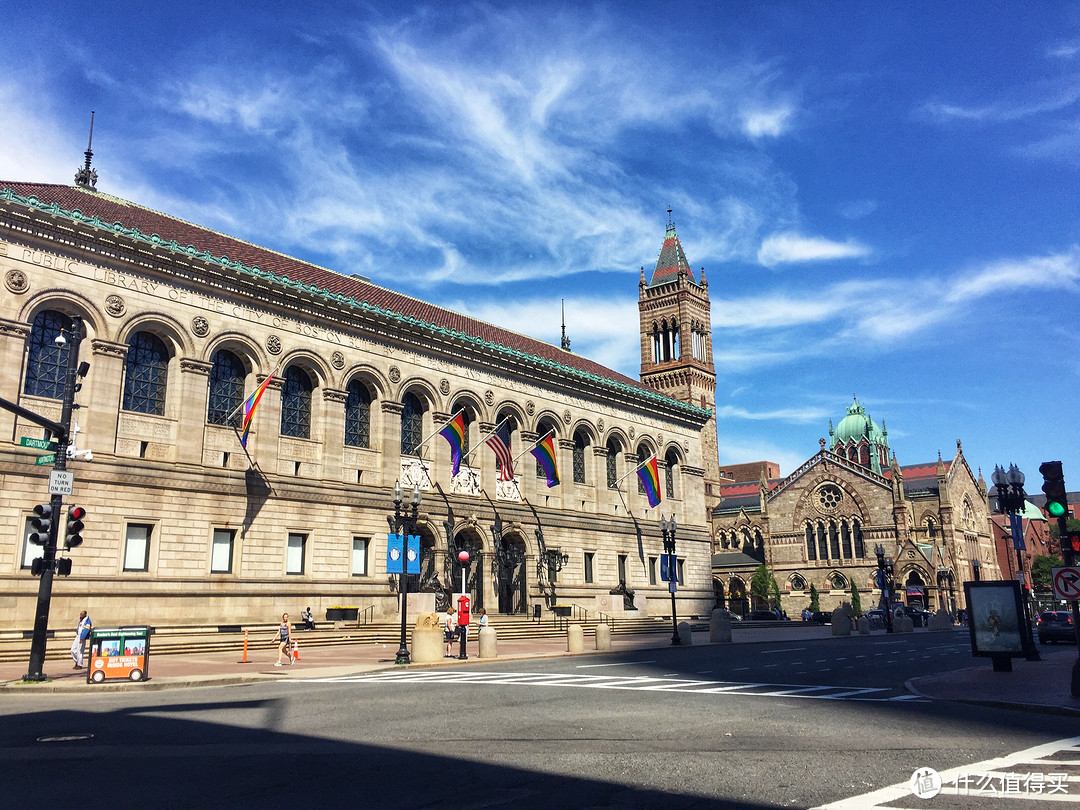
point(672, 259)
point(83, 204)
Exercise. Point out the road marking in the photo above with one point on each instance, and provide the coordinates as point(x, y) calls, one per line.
point(618, 664)
point(644, 683)
point(786, 649)
point(1040, 758)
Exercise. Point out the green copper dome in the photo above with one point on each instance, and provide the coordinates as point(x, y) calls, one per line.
point(859, 439)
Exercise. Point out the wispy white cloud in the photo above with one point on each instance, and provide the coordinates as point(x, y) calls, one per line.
point(771, 123)
point(790, 247)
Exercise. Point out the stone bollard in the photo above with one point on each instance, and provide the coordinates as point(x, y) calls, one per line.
point(489, 643)
point(603, 637)
point(427, 639)
point(720, 627)
point(864, 626)
point(841, 624)
point(903, 624)
point(575, 639)
point(686, 634)
point(942, 620)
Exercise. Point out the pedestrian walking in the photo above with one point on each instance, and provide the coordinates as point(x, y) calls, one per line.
point(449, 630)
point(284, 639)
point(82, 633)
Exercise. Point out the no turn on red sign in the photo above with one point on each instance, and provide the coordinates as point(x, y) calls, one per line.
point(1066, 582)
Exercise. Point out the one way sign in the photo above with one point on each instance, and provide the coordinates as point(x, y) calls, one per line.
point(1066, 582)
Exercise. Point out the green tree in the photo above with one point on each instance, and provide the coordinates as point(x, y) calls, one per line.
point(1072, 524)
point(774, 593)
point(1040, 571)
point(759, 586)
point(856, 602)
point(815, 604)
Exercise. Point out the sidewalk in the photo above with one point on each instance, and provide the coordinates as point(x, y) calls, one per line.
point(1042, 686)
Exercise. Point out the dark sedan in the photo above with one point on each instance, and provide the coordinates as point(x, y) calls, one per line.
point(1056, 625)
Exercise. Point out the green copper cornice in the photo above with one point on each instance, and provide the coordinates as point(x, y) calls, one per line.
point(193, 252)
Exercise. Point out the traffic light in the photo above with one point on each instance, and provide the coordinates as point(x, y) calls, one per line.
point(1070, 548)
point(1057, 504)
point(37, 566)
point(41, 523)
point(63, 566)
point(74, 527)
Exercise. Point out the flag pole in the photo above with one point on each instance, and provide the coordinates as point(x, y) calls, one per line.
point(534, 445)
point(436, 431)
point(238, 408)
point(486, 437)
point(638, 467)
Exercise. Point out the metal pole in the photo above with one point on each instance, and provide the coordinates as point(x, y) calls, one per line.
point(403, 650)
point(44, 601)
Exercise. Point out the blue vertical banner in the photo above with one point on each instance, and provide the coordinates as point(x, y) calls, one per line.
point(1016, 525)
point(668, 569)
point(394, 552)
point(412, 555)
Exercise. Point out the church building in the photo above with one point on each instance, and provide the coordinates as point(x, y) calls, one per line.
point(821, 526)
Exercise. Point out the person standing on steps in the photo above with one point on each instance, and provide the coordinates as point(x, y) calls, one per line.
point(284, 640)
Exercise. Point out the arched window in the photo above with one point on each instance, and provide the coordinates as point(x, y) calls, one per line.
point(834, 542)
point(838, 582)
point(845, 538)
point(227, 376)
point(656, 352)
point(811, 549)
point(613, 450)
point(147, 373)
point(357, 415)
point(860, 548)
point(864, 455)
point(672, 461)
point(931, 529)
point(46, 363)
point(823, 547)
point(412, 424)
point(296, 403)
point(580, 443)
point(798, 583)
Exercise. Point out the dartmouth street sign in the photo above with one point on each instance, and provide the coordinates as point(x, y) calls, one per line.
point(49, 458)
point(37, 444)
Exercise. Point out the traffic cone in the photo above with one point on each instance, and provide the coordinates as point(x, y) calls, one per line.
point(296, 650)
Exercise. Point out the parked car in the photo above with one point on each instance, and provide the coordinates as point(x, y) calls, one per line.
point(919, 618)
point(876, 617)
point(1056, 625)
point(821, 617)
point(762, 616)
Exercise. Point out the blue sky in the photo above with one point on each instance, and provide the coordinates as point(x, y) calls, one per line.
point(885, 196)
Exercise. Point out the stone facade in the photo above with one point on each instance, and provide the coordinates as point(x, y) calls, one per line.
point(821, 525)
point(185, 525)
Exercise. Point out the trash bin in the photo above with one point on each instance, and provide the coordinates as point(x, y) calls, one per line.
point(119, 652)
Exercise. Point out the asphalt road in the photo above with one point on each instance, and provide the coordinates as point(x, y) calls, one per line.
point(785, 724)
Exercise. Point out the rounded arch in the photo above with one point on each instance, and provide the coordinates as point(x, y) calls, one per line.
point(310, 362)
point(548, 420)
point(253, 355)
point(368, 376)
point(620, 435)
point(469, 400)
point(585, 428)
point(838, 581)
point(421, 389)
point(164, 326)
point(69, 303)
point(513, 410)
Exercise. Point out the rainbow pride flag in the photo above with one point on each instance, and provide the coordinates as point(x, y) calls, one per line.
point(545, 457)
point(250, 404)
point(649, 476)
point(454, 433)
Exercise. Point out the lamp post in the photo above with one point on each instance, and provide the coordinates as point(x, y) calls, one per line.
point(1011, 499)
point(405, 518)
point(667, 529)
point(463, 604)
point(551, 562)
point(885, 583)
point(976, 566)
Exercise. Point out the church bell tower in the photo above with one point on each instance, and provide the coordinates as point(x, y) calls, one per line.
point(676, 344)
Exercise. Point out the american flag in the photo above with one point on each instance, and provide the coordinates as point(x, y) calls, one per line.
point(499, 441)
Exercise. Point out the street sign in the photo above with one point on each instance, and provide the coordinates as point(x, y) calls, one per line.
point(61, 482)
point(37, 444)
point(48, 458)
point(1066, 582)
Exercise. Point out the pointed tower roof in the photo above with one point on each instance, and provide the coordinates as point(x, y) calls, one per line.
point(672, 261)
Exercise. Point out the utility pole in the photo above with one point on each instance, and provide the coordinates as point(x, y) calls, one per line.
point(44, 600)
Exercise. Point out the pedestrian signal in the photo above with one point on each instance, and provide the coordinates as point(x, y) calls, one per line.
point(63, 566)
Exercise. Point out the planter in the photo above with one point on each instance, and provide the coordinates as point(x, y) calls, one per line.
point(342, 614)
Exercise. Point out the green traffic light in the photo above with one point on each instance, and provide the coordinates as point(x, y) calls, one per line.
point(1055, 508)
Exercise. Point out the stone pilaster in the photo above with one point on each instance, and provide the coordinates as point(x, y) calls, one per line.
point(333, 436)
point(100, 417)
point(191, 416)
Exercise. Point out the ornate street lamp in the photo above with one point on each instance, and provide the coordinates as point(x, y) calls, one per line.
point(885, 583)
point(1011, 499)
point(551, 560)
point(404, 519)
point(667, 529)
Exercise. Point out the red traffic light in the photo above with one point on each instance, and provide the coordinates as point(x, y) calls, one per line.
point(76, 513)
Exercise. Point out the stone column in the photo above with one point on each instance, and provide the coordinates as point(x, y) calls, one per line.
point(13, 336)
point(333, 434)
point(194, 390)
point(390, 441)
point(102, 411)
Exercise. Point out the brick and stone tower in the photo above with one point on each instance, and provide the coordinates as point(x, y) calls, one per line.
point(676, 344)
